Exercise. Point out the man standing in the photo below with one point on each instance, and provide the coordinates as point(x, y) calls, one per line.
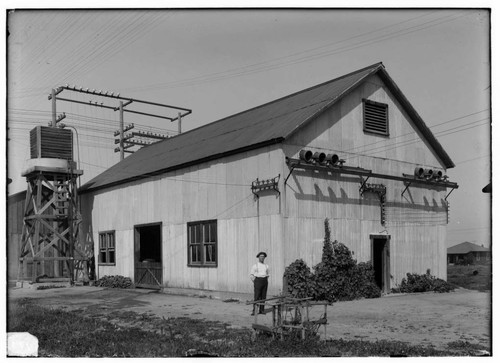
point(259, 274)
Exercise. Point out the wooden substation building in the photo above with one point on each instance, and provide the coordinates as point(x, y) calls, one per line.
point(192, 211)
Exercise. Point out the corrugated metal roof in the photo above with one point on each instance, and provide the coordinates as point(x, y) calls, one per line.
point(466, 247)
point(263, 125)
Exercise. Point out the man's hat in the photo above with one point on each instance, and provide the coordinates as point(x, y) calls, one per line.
point(261, 253)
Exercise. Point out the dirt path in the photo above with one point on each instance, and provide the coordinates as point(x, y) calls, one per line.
point(427, 319)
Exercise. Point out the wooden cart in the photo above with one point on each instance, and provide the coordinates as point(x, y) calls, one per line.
point(291, 316)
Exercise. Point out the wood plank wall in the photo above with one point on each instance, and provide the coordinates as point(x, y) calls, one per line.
point(416, 220)
point(289, 225)
point(216, 190)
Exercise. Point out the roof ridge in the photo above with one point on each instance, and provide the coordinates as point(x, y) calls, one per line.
point(226, 136)
point(378, 64)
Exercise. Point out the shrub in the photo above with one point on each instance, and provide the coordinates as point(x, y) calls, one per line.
point(115, 281)
point(299, 279)
point(337, 277)
point(423, 283)
point(363, 281)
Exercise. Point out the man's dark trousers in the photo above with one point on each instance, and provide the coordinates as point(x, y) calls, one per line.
point(260, 291)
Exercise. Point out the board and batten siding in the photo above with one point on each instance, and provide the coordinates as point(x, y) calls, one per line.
point(289, 225)
point(416, 221)
point(218, 190)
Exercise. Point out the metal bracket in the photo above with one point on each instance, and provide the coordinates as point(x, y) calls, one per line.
point(290, 173)
point(381, 191)
point(268, 184)
point(363, 184)
point(407, 186)
point(445, 198)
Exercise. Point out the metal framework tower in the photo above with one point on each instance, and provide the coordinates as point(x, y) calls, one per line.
point(51, 214)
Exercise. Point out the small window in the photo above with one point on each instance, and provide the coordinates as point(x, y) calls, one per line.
point(107, 248)
point(375, 117)
point(202, 244)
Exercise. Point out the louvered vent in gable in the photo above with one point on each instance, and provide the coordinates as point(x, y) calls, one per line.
point(375, 117)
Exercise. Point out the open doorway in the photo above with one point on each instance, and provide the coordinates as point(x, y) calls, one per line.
point(381, 261)
point(147, 256)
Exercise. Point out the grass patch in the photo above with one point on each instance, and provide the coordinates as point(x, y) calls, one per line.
point(128, 334)
point(472, 277)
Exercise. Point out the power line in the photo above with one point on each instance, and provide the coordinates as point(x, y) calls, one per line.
point(400, 144)
point(413, 133)
point(267, 65)
point(477, 158)
point(244, 71)
point(453, 230)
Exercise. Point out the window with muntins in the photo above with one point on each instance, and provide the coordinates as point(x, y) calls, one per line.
point(202, 243)
point(375, 117)
point(107, 248)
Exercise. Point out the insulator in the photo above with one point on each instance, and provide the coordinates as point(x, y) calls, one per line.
point(438, 174)
point(306, 155)
point(419, 172)
point(332, 159)
point(319, 157)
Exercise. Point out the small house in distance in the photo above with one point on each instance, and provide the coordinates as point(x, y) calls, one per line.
point(467, 252)
point(192, 211)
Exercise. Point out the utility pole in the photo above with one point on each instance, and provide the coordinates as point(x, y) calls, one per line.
point(53, 123)
point(125, 144)
point(123, 138)
point(122, 151)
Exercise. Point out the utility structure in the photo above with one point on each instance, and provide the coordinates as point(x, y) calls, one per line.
point(51, 213)
point(50, 249)
point(126, 142)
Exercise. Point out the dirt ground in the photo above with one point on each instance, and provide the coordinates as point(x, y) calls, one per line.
point(427, 318)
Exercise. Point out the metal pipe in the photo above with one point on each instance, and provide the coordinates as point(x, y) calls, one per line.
point(148, 114)
point(141, 134)
point(117, 108)
point(126, 98)
point(365, 172)
point(85, 103)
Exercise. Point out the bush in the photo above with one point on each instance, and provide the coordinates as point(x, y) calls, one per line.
point(363, 281)
point(423, 283)
point(115, 281)
point(299, 279)
point(337, 277)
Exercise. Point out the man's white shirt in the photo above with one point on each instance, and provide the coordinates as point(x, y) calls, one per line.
point(259, 270)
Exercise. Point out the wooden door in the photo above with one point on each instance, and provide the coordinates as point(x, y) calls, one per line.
point(381, 262)
point(148, 261)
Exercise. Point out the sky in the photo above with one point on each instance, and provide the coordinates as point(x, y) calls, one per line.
point(219, 62)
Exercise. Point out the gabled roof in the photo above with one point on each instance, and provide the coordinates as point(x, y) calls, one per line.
point(264, 125)
point(466, 247)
